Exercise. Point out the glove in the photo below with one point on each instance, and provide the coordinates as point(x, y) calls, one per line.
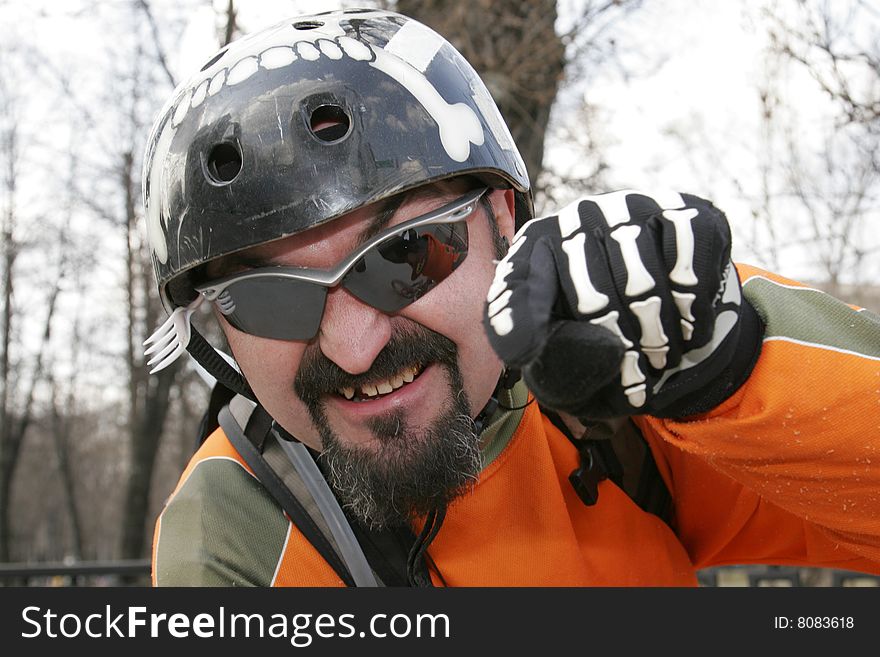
point(625, 304)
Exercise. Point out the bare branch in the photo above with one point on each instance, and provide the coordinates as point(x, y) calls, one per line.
point(160, 50)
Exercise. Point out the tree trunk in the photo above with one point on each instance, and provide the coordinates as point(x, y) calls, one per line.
point(230, 30)
point(61, 419)
point(8, 149)
point(6, 417)
point(145, 437)
point(148, 395)
point(15, 431)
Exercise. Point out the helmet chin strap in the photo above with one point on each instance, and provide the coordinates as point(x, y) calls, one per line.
point(226, 375)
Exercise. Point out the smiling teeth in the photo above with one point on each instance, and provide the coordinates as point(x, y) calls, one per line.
point(381, 387)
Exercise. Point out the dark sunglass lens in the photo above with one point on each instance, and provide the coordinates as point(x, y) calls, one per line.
point(405, 267)
point(274, 307)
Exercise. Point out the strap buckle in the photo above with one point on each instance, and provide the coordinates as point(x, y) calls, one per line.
point(598, 462)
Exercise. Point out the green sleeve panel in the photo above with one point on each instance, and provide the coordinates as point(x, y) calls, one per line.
point(874, 317)
point(813, 317)
point(221, 528)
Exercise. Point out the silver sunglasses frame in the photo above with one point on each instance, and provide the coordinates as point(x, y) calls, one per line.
point(452, 212)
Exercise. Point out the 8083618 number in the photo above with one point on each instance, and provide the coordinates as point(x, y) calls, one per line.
point(825, 622)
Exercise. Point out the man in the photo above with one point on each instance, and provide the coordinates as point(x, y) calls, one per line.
point(425, 398)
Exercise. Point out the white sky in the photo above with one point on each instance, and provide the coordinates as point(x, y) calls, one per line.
point(707, 62)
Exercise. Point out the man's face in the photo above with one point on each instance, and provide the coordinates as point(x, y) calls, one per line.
point(386, 398)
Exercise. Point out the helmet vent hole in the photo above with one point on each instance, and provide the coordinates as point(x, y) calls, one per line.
point(224, 163)
point(213, 60)
point(307, 25)
point(329, 123)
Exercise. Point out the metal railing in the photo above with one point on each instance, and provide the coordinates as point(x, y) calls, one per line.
point(124, 572)
point(760, 575)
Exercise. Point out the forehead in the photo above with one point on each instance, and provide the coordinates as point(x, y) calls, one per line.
point(343, 233)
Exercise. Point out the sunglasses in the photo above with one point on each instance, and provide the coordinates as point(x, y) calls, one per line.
point(388, 272)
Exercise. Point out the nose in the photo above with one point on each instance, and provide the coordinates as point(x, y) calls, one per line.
point(352, 333)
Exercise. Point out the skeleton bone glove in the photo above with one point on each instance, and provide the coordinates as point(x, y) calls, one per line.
point(625, 304)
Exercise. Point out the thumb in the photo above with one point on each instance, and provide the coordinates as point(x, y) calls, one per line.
point(577, 361)
point(521, 298)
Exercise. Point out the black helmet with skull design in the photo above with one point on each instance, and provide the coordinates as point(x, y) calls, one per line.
point(300, 123)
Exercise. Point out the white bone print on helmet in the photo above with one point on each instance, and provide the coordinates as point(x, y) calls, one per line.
point(458, 124)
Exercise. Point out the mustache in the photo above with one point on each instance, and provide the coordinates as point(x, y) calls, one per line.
point(410, 345)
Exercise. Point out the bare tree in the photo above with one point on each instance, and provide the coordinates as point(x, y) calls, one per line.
point(62, 414)
point(808, 174)
point(19, 380)
point(9, 153)
point(17, 422)
point(35, 253)
point(148, 395)
point(837, 44)
point(833, 181)
point(230, 23)
point(134, 84)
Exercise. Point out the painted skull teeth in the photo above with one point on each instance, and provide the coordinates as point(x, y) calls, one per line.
point(382, 387)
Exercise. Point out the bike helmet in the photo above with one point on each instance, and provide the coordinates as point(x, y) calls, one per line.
point(302, 122)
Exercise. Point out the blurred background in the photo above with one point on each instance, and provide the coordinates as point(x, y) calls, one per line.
point(768, 107)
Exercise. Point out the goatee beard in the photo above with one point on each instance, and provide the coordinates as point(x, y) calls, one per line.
point(407, 471)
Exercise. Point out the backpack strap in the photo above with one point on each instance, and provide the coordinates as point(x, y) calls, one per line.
point(328, 505)
point(615, 449)
point(641, 478)
point(373, 557)
point(293, 463)
point(282, 493)
point(220, 396)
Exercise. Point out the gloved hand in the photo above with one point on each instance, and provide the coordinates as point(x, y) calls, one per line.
point(625, 304)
